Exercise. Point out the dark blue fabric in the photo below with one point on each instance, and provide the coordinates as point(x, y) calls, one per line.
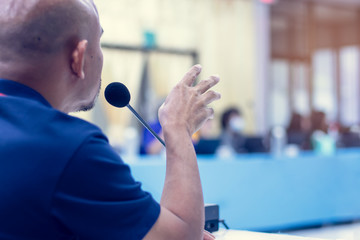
point(59, 177)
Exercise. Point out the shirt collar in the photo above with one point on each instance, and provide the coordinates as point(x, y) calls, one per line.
point(12, 88)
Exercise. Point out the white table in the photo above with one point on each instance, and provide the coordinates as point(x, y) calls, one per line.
point(246, 235)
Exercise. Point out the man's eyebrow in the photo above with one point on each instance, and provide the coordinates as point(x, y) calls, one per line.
point(102, 31)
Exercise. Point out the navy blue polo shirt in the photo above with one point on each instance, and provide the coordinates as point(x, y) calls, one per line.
point(59, 177)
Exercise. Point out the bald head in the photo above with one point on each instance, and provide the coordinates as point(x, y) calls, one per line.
point(53, 46)
point(41, 28)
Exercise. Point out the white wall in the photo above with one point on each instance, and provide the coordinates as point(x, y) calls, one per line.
point(227, 35)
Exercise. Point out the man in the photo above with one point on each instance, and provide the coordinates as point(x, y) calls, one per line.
point(59, 178)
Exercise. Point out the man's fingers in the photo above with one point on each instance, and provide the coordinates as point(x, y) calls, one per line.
point(205, 85)
point(211, 96)
point(210, 113)
point(191, 75)
point(208, 236)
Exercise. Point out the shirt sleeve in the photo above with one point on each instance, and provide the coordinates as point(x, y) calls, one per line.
point(97, 198)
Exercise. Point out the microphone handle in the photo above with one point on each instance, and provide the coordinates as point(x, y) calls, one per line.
point(145, 125)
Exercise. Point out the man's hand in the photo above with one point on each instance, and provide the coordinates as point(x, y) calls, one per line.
point(186, 105)
point(182, 204)
point(208, 236)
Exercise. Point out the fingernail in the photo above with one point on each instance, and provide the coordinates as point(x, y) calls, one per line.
point(216, 76)
point(198, 67)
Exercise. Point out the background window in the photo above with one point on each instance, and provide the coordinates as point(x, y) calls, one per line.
point(324, 95)
point(279, 94)
point(349, 70)
point(300, 89)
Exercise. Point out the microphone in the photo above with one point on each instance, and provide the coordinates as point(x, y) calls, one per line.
point(118, 95)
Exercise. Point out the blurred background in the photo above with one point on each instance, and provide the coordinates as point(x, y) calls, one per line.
point(274, 57)
point(150, 44)
point(290, 84)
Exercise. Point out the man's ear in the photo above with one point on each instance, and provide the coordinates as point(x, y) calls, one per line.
point(78, 59)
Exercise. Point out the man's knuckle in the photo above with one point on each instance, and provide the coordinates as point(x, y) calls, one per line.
point(191, 75)
point(188, 75)
point(207, 82)
point(198, 91)
point(202, 103)
point(211, 93)
point(211, 111)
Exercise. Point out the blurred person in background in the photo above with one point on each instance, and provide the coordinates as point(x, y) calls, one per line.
point(149, 144)
point(232, 140)
point(349, 137)
point(321, 141)
point(298, 131)
point(318, 122)
point(205, 143)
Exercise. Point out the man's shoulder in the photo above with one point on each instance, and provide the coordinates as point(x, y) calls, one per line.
point(67, 126)
point(73, 131)
point(40, 124)
point(74, 125)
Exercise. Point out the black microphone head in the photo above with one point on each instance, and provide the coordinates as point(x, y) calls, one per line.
point(117, 94)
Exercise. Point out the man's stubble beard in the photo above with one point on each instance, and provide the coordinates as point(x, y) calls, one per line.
point(91, 105)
